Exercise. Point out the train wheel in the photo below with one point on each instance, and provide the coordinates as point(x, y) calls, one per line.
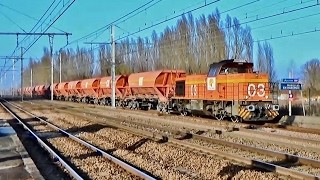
point(236, 119)
point(220, 117)
point(184, 113)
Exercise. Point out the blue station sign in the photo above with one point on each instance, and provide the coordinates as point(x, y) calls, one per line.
point(290, 80)
point(288, 86)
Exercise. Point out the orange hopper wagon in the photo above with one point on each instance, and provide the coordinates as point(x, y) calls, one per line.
point(105, 89)
point(73, 90)
point(40, 90)
point(28, 91)
point(61, 91)
point(151, 89)
point(89, 90)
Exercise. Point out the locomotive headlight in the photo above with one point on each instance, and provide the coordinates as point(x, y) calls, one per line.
point(250, 107)
point(247, 97)
point(267, 97)
point(275, 107)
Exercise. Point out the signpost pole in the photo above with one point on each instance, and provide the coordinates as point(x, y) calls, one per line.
point(302, 101)
point(290, 76)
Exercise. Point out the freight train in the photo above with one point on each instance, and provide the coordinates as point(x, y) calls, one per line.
point(230, 90)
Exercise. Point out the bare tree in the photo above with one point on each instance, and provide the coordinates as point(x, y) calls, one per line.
point(265, 61)
point(310, 74)
point(192, 44)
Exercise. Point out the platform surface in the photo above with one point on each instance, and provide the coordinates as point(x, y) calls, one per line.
point(15, 163)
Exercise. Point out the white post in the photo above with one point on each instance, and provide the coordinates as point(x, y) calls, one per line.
point(113, 99)
point(302, 101)
point(51, 54)
point(31, 80)
point(60, 66)
point(51, 76)
point(1, 91)
point(21, 86)
point(5, 79)
point(290, 76)
point(12, 83)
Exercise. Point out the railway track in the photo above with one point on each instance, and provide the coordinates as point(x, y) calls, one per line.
point(76, 156)
point(297, 140)
point(168, 156)
point(283, 163)
point(199, 120)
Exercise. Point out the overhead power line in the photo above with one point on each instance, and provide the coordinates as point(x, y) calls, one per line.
point(289, 20)
point(169, 19)
point(108, 25)
point(24, 14)
point(12, 21)
point(49, 25)
point(28, 47)
point(289, 35)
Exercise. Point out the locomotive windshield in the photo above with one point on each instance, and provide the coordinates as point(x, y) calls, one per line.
point(235, 69)
point(230, 67)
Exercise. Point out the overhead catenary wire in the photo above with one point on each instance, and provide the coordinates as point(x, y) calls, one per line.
point(109, 24)
point(285, 21)
point(34, 26)
point(24, 14)
point(16, 48)
point(282, 9)
point(47, 28)
point(12, 21)
point(289, 35)
point(122, 28)
point(250, 21)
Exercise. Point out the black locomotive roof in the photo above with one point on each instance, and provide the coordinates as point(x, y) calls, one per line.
point(223, 62)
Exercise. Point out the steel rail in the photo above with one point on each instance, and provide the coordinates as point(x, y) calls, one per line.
point(276, 135)
point(117, 161)
point(234, 129)
point(43, 144)
point(284, 156)
point(164, 137)
point(286, 127)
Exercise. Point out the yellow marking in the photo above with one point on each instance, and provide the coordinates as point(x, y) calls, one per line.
point(247, 115)
point(242, 110)
point(196, 82)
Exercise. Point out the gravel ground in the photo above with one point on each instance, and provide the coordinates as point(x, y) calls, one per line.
point(160, 159)
point(84, 159)
point(40, 157)
point(96, 166)
point(291, 133)
point(284, 139)
point(266, 145)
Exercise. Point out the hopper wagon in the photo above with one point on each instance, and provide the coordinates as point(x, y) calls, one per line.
point(73, 90)
point(61, 91)
point(88, 91)
point(150, 90)
point(105, 89)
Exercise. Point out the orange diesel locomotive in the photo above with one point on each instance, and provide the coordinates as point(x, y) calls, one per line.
point(231, 89)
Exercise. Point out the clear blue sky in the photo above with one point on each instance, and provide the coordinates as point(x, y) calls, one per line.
point(84, 17)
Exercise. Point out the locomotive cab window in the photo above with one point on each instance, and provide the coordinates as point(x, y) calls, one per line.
point(213, 71)
point(234, 68)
